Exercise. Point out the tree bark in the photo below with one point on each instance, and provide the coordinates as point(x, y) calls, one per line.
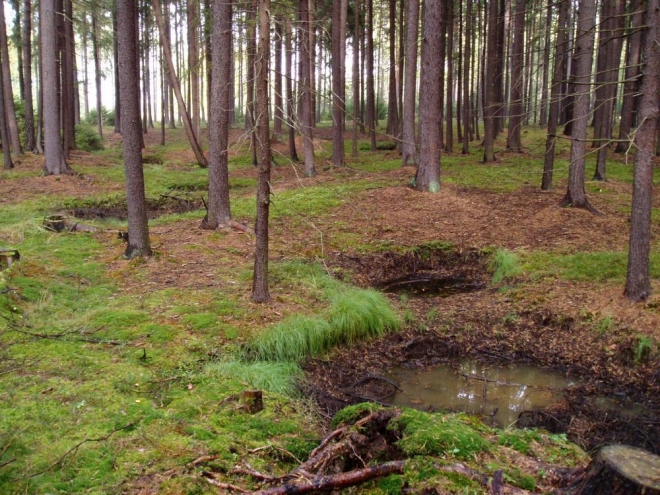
point(68, 108)
point(466, 81)
point(638, 285)
point(561, 54)
point(517, 48)
point(490, 84)
point(338, 67)
point(543, 120)
point(371, 91)
point(194, 144)
point(115, 53)
point(10, 110)
point(631, 78)
point(306, 115)
point(430, 138)
point(193, 63)
point(279, 112)
point(129, 89)
point(449, 105)
point(260, 292)
point(27, 76)
point(583, 58)
point(290, 105)
point(55, 162)
point(219, 212)
point(97, 72)
point(392, 99)
point(356, 76)
point(4, 132)
point(409, 146)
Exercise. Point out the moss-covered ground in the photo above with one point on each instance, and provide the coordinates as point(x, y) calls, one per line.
point(124, 376)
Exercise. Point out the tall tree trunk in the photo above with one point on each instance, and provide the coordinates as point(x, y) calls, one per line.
point(193, 62)
point(27, 67)
point(83, 36)
point(260, 292)
point(306, 115)
point(4, 132)
point(219, 212)
point(97, 72)
point(68, 80)
point(199, 155)
point(278, 114)
point(250, 110)
point(115, 53)
point(356, 76)
point(638, 285)
point(561, 54)
point(10, 111)
point(409, 146)
point(610, 79)
point(338, 67)
point(583, 58)
point(55, 162)
point(543, 120)
point(392, 100)
point(631, 78)
point(490, 95)
point(17, 41)
point(449, 105)
point(290, 105)
point(430, 138)
point(129, 89)
point(168, 82)
point(371, 91)
point(466, 80)
point(517, 46)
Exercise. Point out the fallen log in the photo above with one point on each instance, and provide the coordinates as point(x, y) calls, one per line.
point(337, 481)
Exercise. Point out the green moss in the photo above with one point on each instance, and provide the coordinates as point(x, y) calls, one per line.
point(351, 414)
point(438, 434)
point(519, 440)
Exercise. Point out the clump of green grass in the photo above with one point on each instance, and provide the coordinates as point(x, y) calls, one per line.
point(504, 265)
point(644, 348)
point(353, 315)
point(276, 377)
point(438, 434)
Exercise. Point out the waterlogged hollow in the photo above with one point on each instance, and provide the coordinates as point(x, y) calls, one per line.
point(496, 393)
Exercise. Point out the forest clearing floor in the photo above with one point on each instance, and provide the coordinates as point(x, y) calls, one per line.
point(559, 304)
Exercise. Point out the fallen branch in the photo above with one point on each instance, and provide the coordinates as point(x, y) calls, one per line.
point(225, 486)
point(337, 481)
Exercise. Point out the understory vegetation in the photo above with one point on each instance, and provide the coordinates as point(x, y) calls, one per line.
point(117, 376)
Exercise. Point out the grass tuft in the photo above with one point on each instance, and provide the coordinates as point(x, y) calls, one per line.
point(504, 265)
point(280, 378)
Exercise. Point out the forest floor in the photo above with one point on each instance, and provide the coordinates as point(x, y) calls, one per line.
point(119, 363)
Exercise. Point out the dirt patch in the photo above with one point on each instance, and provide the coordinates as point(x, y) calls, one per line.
point(163, 205)
point(493, 326)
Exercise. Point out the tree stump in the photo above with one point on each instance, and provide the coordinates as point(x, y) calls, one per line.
point(8, 257)
point(252, 401)
point(55, 223)
point(622, 470)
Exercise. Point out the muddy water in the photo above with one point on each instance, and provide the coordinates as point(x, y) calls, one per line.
point(499, 394)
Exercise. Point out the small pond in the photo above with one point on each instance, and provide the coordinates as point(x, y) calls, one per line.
point(499, 394)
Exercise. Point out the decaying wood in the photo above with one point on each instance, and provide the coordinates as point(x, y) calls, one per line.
point(252, 401)
point(337, 481)
point(619, 470)
point(210, 478)
point(8, 257)
point(61, 223)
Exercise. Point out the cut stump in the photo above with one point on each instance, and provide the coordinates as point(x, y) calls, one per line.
point(252, 401)
point(622, 470)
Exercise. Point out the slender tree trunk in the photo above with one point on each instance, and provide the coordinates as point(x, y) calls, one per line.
point(306, 115)
point(279, 108)
point(491, 104)
point(583, 58)
point(68, 80)
point(430, 138)
point(543, 120)
point(290, 105)
point(517, 48)
point(97, 72)
point(409, 146)
point(4, 132)
point(10, 111)
point(356, 76)
point(193, 62)
point(219, 212)
point(631, 78)
point(83, 36)
point(27, 67)
point(251, 29)
point(371, 96)
point(115, 50)
point(466, 81)
point(449, 105)
point(392, 100)
point(199, 155)
point(55, 162)
point(129, 89)
point(561, 53)
point(17, 41)
point(638, 285)
point(260, 292)
point(338, 66)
